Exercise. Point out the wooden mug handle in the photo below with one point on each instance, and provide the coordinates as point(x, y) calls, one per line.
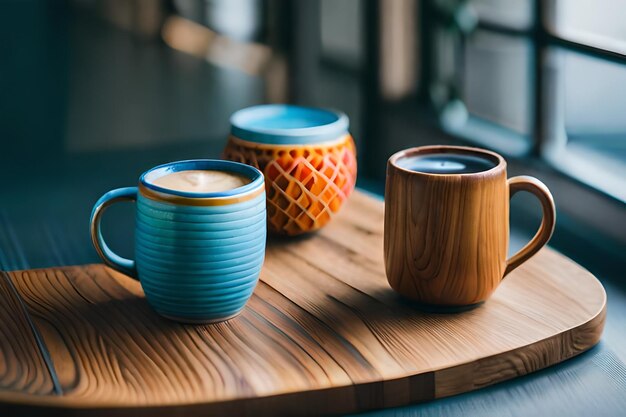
point(543, 235)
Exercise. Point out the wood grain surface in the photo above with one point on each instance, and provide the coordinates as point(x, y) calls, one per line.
point(22, 365)
point(323, 334)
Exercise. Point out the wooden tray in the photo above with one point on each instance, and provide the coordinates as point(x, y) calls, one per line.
point(323, 333)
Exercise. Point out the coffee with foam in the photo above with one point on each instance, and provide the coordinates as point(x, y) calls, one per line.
point(199, 181)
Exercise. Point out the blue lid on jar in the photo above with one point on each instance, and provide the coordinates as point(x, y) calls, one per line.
point(285, 124)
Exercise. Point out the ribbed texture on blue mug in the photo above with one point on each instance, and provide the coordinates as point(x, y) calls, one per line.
point(199, 263)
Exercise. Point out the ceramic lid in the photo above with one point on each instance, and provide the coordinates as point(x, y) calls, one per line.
point(288, 124)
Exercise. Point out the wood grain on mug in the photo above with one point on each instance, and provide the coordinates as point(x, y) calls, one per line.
point(447, 236)
point(323, 333)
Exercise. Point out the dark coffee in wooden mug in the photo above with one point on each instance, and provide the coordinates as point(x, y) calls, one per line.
point(446, 163)
point(447, 236)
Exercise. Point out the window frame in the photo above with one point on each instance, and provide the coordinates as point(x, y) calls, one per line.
point(544, 40)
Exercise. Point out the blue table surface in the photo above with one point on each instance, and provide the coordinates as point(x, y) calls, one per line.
point(84, 119)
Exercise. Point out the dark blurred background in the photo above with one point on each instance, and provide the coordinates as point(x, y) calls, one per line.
point(94, 92)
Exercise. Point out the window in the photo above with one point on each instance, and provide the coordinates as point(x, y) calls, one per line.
point(595, 23)
point(538, 77)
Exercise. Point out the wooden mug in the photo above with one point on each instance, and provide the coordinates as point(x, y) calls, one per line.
point(447, 235)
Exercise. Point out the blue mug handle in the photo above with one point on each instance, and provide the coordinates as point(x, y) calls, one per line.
point(123, 265)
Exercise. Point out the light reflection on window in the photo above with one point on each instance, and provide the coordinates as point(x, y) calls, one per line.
point(495, 94)
point(513, 14)
point(497, 77)
point(598, 23)
point(584, 132)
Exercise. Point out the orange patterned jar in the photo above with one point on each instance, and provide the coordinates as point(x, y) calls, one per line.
point(308, 158)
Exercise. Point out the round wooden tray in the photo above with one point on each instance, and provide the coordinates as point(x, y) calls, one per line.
point(323, 333)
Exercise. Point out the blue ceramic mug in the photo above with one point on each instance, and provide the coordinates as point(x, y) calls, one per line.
point(198, 255)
